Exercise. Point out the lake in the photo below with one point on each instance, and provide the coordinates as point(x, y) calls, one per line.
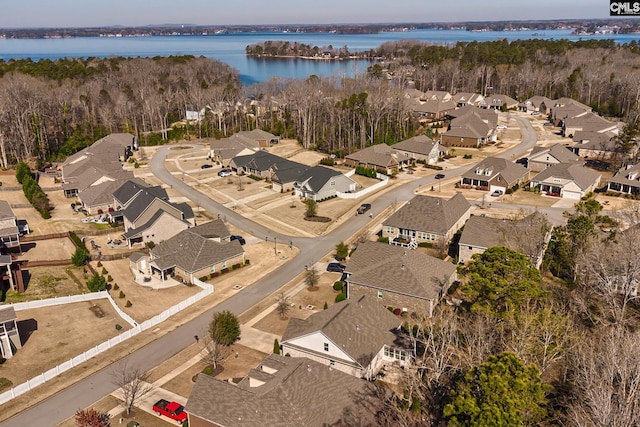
point(230, 48)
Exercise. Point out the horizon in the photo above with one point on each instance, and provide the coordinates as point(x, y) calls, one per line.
point(44, 14)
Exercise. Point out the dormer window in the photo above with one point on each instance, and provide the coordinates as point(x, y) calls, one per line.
point(632, 175)
point(488, 172)
point(478, 171)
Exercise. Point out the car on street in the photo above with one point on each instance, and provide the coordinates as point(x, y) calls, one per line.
point(336, 267)
point(240, 239)
point(496, 193)
point(206, 166)
point(363, 208)
point(439, 176)
point(224, 172)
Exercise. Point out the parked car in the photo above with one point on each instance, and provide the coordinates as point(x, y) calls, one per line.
point(497, 193)
point(240, 239)
point(524, 161)
point(224, 172)
point(547, 124)
point(173, 410)
point(363, 208)
point(439, 176)
point(336, 267)
point(206, 166)
point(502, 126)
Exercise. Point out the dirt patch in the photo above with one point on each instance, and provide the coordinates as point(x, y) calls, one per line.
point(52, 335)
point(97, 311)
point(50, 282)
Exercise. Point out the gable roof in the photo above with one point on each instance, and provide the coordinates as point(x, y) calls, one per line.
point(191, 251)
point(487, 115)
point(560, 152)
point(591, 140)
point(316, 177)
point(399, 270)
point(430, 214)
point(133, 187)
point(469, 125)
point(511, 172)
point(482, 232)
point(590, 122)
point(5, 210)
point(420, 144)
point(285, 392)
point(469, 98)
point(583, 177)
point(358, 327)
point(378, 155)
point(100, 194)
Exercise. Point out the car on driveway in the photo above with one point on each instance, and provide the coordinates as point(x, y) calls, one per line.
point(496, 193)
point(206, 166)
point(240, 239)
point(439, 176)
point(224, 172)
point(336, 267)
point(363, 208)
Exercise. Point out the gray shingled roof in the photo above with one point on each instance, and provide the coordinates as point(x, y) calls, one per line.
point(470, 125)
point(359, 327)
point(430, 214)
point(316, 177)
point(100, 194)
point(212, 229)
point(582, 176)
point(482, 232)
point(399, 270)
point(420, 144)
point(511, 172)
point(559, 151)
point(378, 155)
point(5, 210)
point(624, 176)
point(591, 140)
point(132, 187)
point(301, 392)
point(191, 251)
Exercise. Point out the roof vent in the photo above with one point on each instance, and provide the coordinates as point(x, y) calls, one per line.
point(357, 327)
point(402, 266)
point(308, 368)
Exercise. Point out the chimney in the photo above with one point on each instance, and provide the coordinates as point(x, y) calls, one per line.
point(402, 266)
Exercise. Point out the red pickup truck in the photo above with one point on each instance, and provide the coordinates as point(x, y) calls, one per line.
point(173, 410)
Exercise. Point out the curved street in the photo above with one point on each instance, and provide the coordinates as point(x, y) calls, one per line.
point(87, 391)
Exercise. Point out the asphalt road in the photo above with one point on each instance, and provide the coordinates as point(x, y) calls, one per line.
point(85, 392)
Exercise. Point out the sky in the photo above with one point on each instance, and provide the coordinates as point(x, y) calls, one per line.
point(92, 13)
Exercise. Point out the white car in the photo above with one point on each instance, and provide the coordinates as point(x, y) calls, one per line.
point(224, 172)
point(502, 127)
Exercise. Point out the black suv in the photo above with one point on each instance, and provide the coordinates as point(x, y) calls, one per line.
point(363, 208)
point(336, 267)
point(240, 239)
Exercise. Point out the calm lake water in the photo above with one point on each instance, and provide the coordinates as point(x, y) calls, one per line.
point(230, 48)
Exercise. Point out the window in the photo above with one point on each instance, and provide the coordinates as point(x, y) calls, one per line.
point(387, 351)
point(379, 294)
point(391, 230)
point(333, 183)
point(326, 346)
point(332, 362)
point(224, 264)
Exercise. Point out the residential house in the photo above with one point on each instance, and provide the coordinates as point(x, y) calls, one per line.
point(433, 109)
point(544, 157)
point(587, 122)
point(225, 149)
point(191, 254)
point(286, 173)
point(494, 173)
point(282, 172)
point(398, 277)
point(320, 183)
point(536, 104)
point(148, 215)
point(464, 99)
point(95, 186)
point(498, 102)
point(380, 157)
point(9, 230)
point(357, 336)
point(283, 392)
point(427, 219)
point(469, 130)
point(419, 147)
point(569, 181)
point(626, 180)
point(488, 116)
point(9, 333)
point(564, 108)
point(595, 145)
point(481, 233)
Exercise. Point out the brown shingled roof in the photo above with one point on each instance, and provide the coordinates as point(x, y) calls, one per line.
point(430, 214)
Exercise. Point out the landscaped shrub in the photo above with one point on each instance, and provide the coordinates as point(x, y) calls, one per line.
point(99, 264)
point(425, 245)
point(96, 283)
point(104, 271)
point(224, 270)
point(208, 370)
point(121, 295)
point(128, 304)
point(467, 156)
point(204, 278)
point(368, 172)
point(325, 306)
point(78, 242)
point(383, 239)
point(328, 161)
point(238, 265)
point(337, 286)
point(116, 287)
point(397, 311)
point(246, 262)
point(32, 191)
point(109, 278)
point(390, 309)
point(118, 327)
point(340, 297)
point(79, 257)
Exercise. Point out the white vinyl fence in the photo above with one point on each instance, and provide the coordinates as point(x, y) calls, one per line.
point(100, 348)
point(383, 181)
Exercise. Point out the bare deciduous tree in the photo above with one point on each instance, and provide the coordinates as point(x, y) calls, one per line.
point(133, 384)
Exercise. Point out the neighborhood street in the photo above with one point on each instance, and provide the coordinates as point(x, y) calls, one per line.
point(87, 391)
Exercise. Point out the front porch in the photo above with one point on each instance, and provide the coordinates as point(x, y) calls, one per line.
point(624, 188)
